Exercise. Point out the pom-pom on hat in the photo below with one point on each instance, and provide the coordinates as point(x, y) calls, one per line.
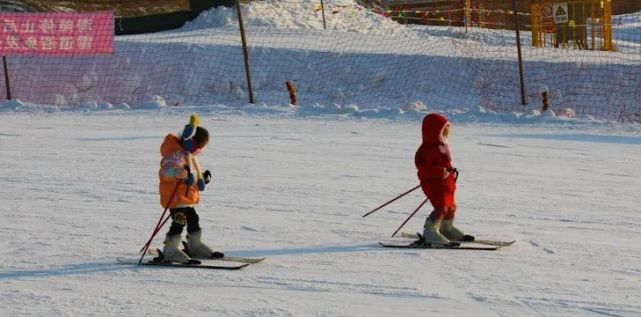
point(190, 130)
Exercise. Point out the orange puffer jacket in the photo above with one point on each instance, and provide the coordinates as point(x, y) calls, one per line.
point(174, 160)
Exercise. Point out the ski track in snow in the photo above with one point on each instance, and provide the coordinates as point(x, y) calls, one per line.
point(80, 189)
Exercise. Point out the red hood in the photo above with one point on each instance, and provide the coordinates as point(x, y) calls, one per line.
point(433, 125)
point(170, 145)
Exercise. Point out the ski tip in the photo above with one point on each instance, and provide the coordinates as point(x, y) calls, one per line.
point(494, 242)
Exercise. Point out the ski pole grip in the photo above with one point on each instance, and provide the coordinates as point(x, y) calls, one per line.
point(187, 180)
point(455, 172)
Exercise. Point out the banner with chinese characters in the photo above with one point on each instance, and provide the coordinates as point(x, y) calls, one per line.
point(60, 34)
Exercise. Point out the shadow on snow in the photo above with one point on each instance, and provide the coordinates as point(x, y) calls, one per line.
point(307, 250)
point(72, 269)
point(613, 139)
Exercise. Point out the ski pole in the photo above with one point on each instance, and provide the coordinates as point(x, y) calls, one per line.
point(162, 224)
point(159, 224)
point(188, 173)
point(410, 217)
point(391, 201)
point(161, 218)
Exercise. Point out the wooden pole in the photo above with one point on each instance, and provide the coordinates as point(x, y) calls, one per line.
point(291, 89)
point(518, 45)
point(245, 52)
point(323, 10)
point(607, 26)
point(536, 22)
point(593, 24)
point(7, 84)
point(468, 14)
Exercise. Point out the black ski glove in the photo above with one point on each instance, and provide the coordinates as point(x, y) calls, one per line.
point(207, 176)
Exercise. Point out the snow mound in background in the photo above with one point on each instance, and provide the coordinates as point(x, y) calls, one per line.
point(412, 112)
point(343, 15)
point(627, 27)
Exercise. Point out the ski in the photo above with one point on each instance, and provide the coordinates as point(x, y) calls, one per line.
point(493, 242)
point(157, 252)
point(479, 241)
point(181, 265)
point(446, 247)
point(239, 259)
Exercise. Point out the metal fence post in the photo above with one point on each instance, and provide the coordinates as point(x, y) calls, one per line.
point(245, 52)
point(6, 77)
point(323, 10)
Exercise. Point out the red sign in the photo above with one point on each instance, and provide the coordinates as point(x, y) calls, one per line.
point(547, 15)
point(56, 33)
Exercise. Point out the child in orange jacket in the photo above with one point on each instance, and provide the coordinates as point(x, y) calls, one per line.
point(180, 182)
point(433, 160)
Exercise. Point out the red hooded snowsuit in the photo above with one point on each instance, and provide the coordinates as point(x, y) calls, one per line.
point(431, 158)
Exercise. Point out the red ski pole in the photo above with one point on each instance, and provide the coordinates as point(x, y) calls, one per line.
point(410, 217)
point(159, 224)
point(162, 224)
point(161, 218)
point(391, 201)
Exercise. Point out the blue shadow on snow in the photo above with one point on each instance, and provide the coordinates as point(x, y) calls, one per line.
point(307, 250)
point(125, 138)
point(112, 266)
point(72, 269)
point(615, 139)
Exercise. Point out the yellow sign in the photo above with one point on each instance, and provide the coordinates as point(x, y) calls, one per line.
point(560, 11)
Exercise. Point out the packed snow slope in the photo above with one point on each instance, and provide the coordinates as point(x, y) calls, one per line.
point(80, 158)
point(80, 189)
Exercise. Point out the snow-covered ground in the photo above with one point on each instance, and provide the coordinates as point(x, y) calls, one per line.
point(80, 189)
point(79, 156)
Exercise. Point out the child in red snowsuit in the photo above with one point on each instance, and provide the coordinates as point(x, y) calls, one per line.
point(433, 160)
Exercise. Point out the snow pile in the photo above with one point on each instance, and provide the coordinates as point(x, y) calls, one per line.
point(627, 27)
point(342, 15)
point(412, 112)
